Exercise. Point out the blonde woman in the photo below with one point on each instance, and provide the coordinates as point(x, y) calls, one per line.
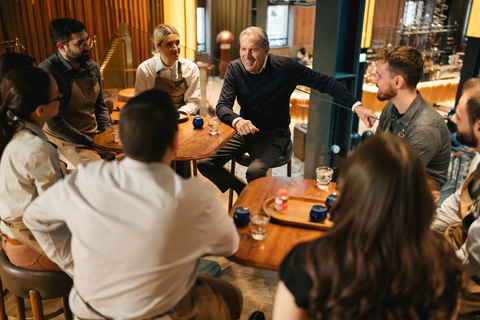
point(169, 72)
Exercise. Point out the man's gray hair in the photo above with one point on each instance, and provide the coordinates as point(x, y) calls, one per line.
point(259, 32)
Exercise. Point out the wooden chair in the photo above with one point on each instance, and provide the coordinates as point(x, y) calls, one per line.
point(245, 160)
point(36, 285)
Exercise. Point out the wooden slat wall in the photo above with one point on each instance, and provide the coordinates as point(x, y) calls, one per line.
point(28, 20)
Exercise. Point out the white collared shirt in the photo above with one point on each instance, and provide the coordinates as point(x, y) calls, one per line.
point(28, 167)
point(130, 234)
point(148, 71)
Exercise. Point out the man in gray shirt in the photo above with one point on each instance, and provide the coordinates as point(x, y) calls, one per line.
point(408, 115)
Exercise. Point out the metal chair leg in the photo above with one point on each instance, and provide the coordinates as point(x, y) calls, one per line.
point(289, 168)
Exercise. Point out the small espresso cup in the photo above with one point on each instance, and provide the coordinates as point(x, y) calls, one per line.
point(318, 213)
point(197, 122)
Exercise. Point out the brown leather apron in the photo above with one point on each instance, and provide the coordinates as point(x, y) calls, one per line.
point(175, 88)
point(456, 235)
point(80, 114)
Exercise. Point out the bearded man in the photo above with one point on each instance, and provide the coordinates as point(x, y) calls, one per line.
point(408, 115)
point(83, 110)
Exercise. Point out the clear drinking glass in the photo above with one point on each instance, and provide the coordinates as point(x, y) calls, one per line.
point(259, 223)
point(324, 176)
point(213, 126)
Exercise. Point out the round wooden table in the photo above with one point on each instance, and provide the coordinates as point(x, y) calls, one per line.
point(193, 144)
point(269, 252)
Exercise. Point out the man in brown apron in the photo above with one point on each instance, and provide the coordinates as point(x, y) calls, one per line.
point(409, 116)
point(458, 216)
point(83, 114)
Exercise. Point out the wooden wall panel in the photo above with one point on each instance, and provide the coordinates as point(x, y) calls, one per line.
point(28, 20)
point(304, 25)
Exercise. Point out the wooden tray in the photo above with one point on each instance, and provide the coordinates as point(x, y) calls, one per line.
point(298, 212)
point(183, 116)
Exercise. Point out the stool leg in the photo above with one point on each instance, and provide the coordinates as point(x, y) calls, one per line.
point(3, 316)
point(66, 309)
point(20, 303)
point(36, 302)
point(289, 168)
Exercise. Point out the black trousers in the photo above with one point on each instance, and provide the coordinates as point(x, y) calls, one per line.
point(264, 149)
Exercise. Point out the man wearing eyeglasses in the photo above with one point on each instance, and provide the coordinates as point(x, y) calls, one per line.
point(83, 110)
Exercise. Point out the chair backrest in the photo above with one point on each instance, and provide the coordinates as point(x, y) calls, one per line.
point(49, 284)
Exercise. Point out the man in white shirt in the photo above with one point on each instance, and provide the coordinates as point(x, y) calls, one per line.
point(131, 234)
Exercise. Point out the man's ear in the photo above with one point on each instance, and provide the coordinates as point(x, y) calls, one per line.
point(399, 82)
point(61, 47)
point(174, 143)
point(476, 129)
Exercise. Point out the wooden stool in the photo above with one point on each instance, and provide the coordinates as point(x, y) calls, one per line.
point(245, 160)
point(36, 285)
point(125, 95)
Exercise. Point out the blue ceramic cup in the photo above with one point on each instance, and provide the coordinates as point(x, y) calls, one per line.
point(198, 122)
point(318, 213)
point(241, 216)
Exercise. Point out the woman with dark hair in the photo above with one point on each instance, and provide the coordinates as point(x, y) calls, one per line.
point(12, 60)
point(29, 163)
point(380, 260)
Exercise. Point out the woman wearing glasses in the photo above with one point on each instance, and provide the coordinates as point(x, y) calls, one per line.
point(29, 163)
point(170, 73)
point(380, 260)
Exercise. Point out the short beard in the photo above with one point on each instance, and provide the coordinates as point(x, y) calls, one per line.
point(78, 59)
point(388, 95)
point(467, 139)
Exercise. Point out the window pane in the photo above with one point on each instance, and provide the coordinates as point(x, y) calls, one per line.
point(413, 12)
point(201, 32)
point(277, 25)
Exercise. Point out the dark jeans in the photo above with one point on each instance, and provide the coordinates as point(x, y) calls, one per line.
point(264, 149)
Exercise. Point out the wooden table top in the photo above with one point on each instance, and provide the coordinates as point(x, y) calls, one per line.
point(193, 144)
point(269, 253)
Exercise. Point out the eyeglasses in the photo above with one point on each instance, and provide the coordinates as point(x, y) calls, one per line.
point(82, 43)
point(60, 98)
